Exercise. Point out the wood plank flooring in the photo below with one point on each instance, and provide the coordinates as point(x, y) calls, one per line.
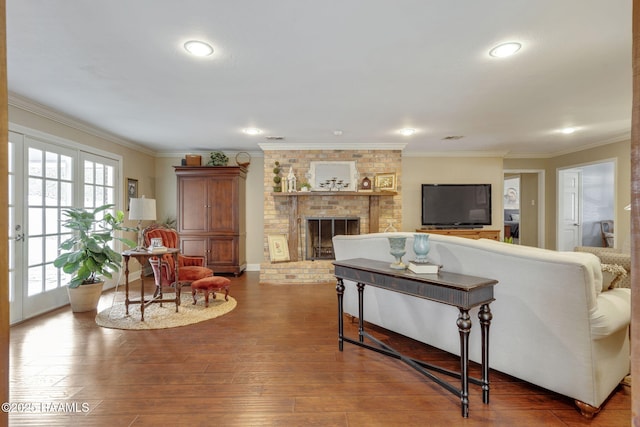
point(274, 360)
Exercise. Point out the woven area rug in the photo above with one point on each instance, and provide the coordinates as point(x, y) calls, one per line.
point(156, 317)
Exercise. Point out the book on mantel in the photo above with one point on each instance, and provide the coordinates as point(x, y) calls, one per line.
point(423, 267)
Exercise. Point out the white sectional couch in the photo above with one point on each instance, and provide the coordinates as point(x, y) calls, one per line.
point(552, 326)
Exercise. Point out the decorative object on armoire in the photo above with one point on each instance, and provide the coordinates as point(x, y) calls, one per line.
point(243, 159)
point(211, 216)
point(398, 249)
point(193, 160)
point(421, 246)
point(277, 179)
point(218, 158)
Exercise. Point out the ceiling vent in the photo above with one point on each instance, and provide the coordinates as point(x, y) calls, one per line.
point(275, 138)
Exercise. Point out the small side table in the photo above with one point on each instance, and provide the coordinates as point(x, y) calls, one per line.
point(142, 257)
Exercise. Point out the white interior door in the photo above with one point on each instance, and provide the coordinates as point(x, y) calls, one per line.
point(569, 212)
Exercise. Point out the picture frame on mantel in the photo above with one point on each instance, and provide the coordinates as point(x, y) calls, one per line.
point(278, 248)
point(385, 182)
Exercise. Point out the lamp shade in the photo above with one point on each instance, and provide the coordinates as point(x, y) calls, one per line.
point(142, 209)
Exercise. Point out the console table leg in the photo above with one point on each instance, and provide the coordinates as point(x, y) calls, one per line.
point(126, 284)
point(485, 317)
point(340, 292)
point(361, 312)
point(464, 326)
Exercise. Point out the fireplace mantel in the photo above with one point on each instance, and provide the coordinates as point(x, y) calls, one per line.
point(335, 193)
point(374, 210)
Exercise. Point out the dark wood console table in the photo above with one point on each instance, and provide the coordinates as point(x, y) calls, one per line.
point(458, 290)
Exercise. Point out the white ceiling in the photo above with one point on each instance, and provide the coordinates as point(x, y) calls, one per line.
point(302, 69)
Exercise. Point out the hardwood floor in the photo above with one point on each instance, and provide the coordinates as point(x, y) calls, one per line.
point(274, 360)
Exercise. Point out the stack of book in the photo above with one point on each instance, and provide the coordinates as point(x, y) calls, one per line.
point(157, 249)
point(423, 267)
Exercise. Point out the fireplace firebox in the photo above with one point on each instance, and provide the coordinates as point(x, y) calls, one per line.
point(320, 231)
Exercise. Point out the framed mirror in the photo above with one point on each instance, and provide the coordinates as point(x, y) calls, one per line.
point(333, 176)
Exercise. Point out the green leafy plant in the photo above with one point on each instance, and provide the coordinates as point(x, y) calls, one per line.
point(218, 158)
point(88, 252)
point(277, 179)
point(305, 185)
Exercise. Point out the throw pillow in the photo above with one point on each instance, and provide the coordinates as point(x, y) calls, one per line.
point(611, 274)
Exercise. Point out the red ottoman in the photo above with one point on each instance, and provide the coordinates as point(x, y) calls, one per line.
point(209, 285)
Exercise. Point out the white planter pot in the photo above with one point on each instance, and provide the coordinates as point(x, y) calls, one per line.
point(85, 297)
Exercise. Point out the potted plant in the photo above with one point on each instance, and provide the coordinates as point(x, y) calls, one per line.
point(218, 158)
point(305, 186)
point(277, 179)
point(88, 256)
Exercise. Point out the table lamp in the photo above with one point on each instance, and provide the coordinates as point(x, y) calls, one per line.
point(142, 209)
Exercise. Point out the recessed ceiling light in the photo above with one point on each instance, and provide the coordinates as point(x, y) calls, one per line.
point(568, 131)
point(505, 49)
point(198, 48)
point(252, 131)
point(407, 131)
point(337, 132)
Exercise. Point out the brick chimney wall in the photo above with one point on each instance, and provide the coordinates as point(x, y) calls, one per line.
point(276, 209)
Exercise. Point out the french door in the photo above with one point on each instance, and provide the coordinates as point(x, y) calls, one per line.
point(44, 179)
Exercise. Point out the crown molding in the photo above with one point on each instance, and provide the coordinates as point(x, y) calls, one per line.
point(283, 146)
point(626, 136)
point(43, 111)
point(229, 153)
point(499, 154)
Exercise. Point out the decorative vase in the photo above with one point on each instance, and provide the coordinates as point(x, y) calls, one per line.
point(398, 249)
point(421, 246)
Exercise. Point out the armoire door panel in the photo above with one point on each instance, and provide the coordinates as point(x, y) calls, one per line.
point(193, 246)
point(222, 251)
point(223, 196)
point(192, 204)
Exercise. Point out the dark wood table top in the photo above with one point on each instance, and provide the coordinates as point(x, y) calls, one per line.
point(456, 289)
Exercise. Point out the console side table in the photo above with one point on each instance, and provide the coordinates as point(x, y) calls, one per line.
point(142, 257)
point(461, 291)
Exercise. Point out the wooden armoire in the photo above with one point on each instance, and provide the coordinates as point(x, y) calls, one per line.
point(211, 215)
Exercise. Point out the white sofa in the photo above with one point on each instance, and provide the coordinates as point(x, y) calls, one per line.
point(552, 324)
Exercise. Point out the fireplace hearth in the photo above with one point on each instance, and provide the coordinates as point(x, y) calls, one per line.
point(320, 231)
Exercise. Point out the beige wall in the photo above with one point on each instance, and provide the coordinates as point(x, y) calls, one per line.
point(619, 151)
point(448, 170)
point(529, 209)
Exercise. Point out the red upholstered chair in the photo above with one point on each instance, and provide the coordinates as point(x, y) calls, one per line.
point(190, 268)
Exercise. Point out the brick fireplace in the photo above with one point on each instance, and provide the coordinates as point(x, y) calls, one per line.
point(287, 213)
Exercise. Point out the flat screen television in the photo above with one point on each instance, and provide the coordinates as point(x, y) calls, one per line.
point(456, 205)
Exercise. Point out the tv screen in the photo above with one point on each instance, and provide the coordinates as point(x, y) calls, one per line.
point(456, 205)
